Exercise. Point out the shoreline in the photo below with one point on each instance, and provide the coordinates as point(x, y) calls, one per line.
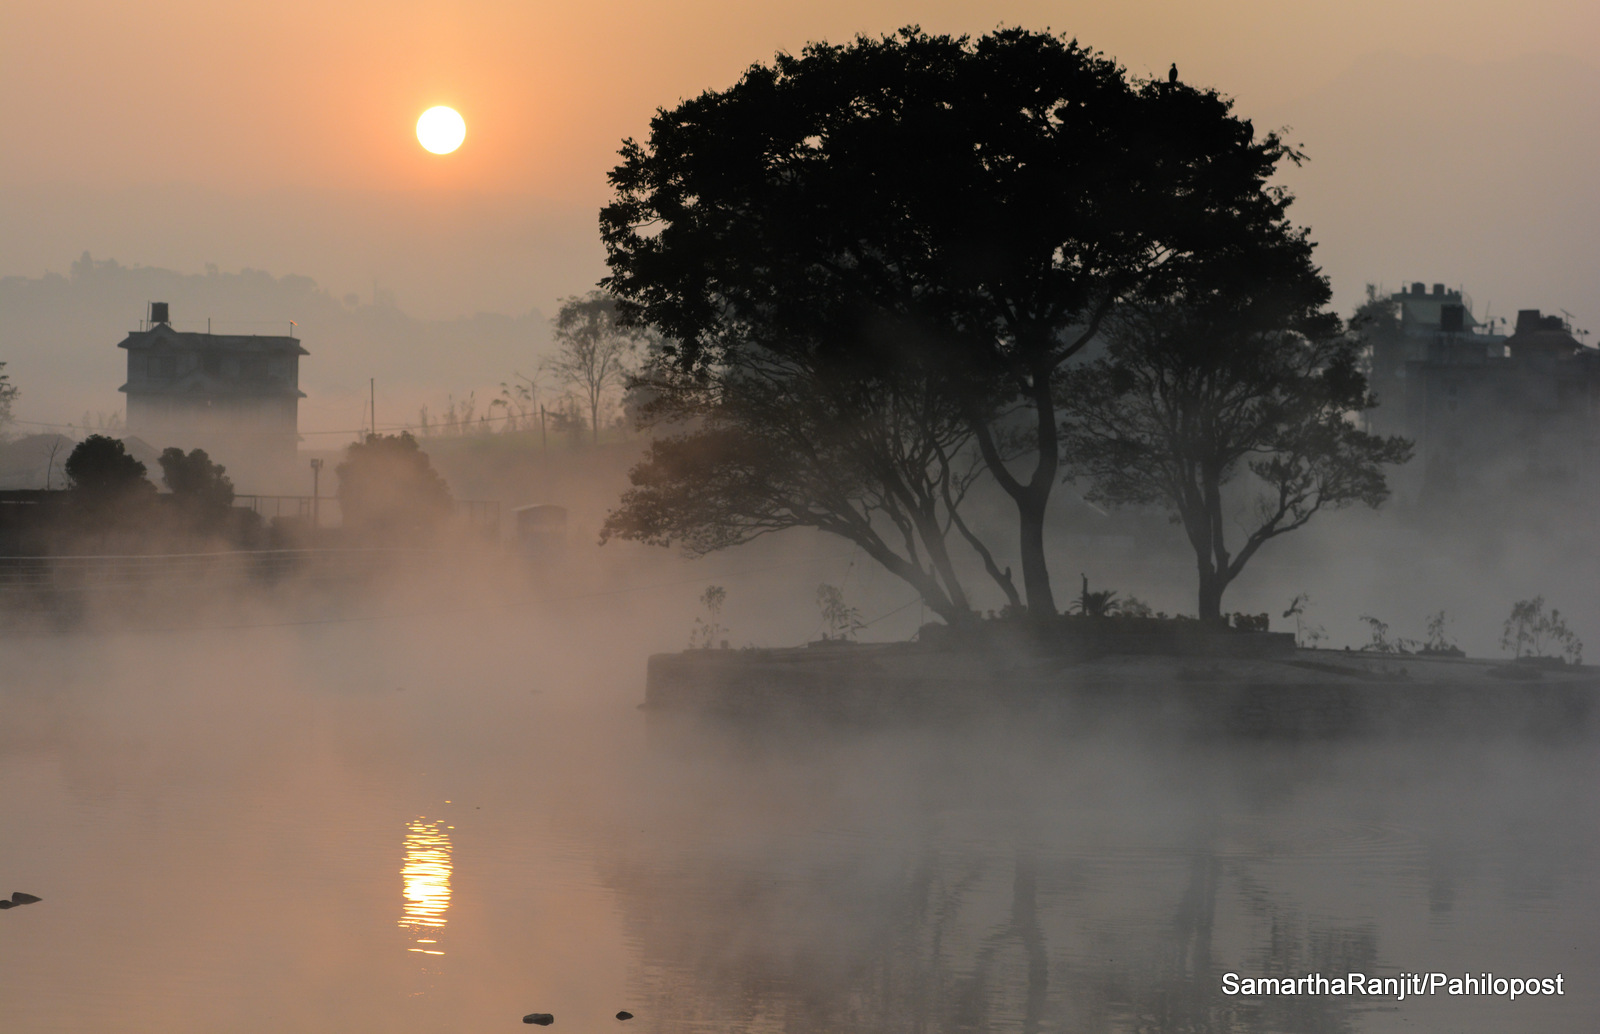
point(1277, 693)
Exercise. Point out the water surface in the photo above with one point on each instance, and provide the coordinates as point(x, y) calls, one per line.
point(442, 826)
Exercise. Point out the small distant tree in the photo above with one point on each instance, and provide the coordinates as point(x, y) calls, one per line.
point(592, 351)
point(705, 632)
point(1437, 640)
point(8, 397)
point(840, 620)
point(1305, 633)
point(195, 477)
point(1381, 641)
point(1529, 631)
point(519, 399)
point(388, 489)
point(201, 489)
point(108, 485)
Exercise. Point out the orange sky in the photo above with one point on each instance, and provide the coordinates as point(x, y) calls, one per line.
point(279, 134)
point(256, 95)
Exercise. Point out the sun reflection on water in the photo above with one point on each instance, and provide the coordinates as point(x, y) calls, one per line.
point(426, 875)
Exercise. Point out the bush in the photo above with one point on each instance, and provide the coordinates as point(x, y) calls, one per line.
point(388, 490)
point(109, 488)
point(200, 488)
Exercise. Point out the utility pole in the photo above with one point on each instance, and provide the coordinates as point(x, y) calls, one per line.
point(372, 387)
point(544, 441)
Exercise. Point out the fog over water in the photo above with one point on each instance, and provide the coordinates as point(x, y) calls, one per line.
point(448, 820)
point(272, 772)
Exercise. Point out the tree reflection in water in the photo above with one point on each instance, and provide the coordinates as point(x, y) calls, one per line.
point(940, 922)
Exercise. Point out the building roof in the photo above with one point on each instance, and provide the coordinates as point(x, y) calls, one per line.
point(1541, 335)
point(1556, 343)
point(163, 337)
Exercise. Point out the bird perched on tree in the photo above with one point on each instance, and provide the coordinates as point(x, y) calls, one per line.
point(1172, 73)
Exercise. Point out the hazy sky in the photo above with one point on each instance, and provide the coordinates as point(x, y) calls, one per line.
point(279, 135)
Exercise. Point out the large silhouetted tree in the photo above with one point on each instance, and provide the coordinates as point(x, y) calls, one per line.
point(1229, 399)
point(997, 195)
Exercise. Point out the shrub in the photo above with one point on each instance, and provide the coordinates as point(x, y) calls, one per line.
point(389, 490)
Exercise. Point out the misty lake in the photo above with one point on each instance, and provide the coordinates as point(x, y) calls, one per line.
point(428, 825)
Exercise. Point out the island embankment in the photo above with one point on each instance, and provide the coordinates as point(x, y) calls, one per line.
point(1256, 684)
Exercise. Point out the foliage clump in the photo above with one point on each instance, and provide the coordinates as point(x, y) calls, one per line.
point(840, 621)
point(1438, 643)
point(875, 261)
point(389, 491)
point(707, 631)
point(201, 488)
point(1531, 632)
point(1306, 634)
point(109, 492)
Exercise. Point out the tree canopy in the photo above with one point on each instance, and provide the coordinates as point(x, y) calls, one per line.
point(109, 490)
point(100, 467)
point(991, 198)
point(388, 489)
point(195, 476)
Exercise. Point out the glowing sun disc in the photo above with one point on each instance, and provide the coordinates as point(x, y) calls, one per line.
point(441, 130)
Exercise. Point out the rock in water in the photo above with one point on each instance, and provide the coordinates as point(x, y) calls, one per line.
point(19, 898)
point(543, 1019)
point(624, 1015)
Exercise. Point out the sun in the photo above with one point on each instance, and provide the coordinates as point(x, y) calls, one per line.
point(441, 129)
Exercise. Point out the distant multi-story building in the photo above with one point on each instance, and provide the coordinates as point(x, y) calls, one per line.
point(237, 396)
point(1491, 415)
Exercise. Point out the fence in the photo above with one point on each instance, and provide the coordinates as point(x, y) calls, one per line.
point(481, 514)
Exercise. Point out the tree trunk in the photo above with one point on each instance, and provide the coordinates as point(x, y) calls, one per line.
point(1032, 498)
point(1212, 584)
point(1035, 575)
point(939, 557)
point(927, 586)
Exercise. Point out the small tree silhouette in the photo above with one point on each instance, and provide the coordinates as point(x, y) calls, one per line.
point(389, 490)
point(1381, 643)
point(705, 632)
point(1529, 631)
point(1305, 633)
point(840, 620)
point(108, 486)
point(1438, 641)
